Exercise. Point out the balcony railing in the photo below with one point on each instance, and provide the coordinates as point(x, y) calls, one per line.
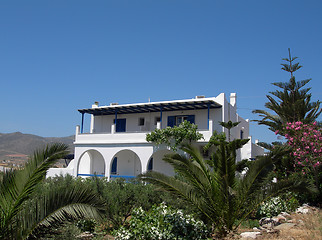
point(123, 137)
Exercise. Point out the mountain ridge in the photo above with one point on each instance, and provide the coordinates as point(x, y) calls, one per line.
point(17, 143)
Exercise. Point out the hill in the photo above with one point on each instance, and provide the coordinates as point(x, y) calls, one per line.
point(18, 146)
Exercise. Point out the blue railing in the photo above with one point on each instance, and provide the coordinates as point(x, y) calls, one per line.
point(90, 175)
point(112, 176)
point(127, 178)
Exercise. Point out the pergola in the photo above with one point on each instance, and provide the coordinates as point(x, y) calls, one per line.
point(193, 104)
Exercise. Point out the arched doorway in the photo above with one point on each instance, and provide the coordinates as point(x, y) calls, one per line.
point(91, 163)
point(125, 164)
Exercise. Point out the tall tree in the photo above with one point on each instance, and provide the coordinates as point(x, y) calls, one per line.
point(229, 125)
point(25, 215)
point(293, 102)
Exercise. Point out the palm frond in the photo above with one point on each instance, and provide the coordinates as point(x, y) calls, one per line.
point(58, 206)
point(35, 171)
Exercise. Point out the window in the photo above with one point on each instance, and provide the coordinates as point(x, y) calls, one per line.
point(176, 120)
point(156, 120)
point(180, 119)
point(141, 121)
point(241, 134)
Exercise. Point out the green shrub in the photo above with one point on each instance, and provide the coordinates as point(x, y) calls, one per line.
point(67, 232)
point(163, 223)
point(86, 225)
point(250, 223)
point(274, 206)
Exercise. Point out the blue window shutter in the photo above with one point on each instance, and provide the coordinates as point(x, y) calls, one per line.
point(171, 121)
point(191, 118)
point(150, 165)
point(114, 166)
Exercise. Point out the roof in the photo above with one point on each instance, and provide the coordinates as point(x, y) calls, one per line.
point(188, 104)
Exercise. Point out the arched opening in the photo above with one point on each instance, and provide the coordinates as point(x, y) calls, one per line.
point(157, 164)
point(91, 163)
point(125, 164)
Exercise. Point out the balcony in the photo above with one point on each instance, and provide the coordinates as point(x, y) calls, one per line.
point(121, 138)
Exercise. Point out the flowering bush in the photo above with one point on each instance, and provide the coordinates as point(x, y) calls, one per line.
point(306, 141)
point(163, 223)
point(276, 205)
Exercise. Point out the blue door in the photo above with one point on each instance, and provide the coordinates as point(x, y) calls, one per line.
point(114, 166)
point(150, 165)
point(121, 125)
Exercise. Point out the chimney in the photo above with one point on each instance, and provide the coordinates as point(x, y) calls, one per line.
point(233, 99)
point(95, 105)
point(200, 96)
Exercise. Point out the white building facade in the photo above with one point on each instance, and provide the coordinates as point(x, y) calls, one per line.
point(116, 145)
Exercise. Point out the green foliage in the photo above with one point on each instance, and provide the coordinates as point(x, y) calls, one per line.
point(243, 165)
point(293, 102)
point(86, 225)
point(250, 223)
point(120, 197)
point(25, 214)
point(315, 178)
point(286, 202)
point(175, 136)
point(222, 199)
point(163, 223)
point(68, 231)
point(229, 125)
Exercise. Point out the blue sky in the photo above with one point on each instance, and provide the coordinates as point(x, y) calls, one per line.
point(60, 56)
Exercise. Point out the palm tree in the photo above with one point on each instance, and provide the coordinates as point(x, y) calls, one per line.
point(25, 215)
point(293, 102)
point(222, 199)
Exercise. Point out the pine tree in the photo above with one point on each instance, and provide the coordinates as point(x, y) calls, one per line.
point(293, 102)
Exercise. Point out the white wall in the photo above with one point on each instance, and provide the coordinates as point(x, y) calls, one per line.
point(97, 163)
point(111, 145)
point(161, 166)
point(102, 124)
point(84, 164)
point(53, 172)
point(257, 150)
point(128, 163)
point(109, 151)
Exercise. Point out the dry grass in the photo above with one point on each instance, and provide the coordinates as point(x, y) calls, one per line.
point(308, 227)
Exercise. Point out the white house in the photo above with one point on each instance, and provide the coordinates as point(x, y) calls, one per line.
point(116, 144)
